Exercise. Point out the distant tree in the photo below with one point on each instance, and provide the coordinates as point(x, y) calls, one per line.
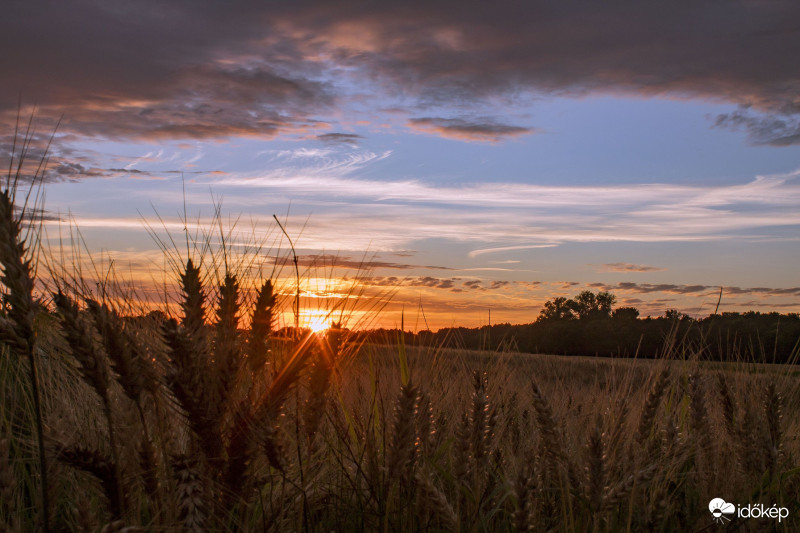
point(625, 313)
point(605, 300)
point(588, 305)
point(583, 304)
point(558, 308)
point(674, 314)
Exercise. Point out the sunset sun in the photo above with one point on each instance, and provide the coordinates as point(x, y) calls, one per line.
point(317, 324)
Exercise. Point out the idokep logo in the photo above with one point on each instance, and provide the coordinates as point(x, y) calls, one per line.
point(719, 508)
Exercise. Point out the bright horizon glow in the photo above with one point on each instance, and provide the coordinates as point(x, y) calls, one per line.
point(316, 321)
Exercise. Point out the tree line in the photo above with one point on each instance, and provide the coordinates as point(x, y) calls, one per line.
point(589, 325)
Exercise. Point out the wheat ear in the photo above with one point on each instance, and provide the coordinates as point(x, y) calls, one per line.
point(190, 501)
point(402, 451)
point(101, 467)
point(261, 327)
point(651, 405)
point(595, 467)
point(227, 354)
point(433, 501)
point(94, 369)
point(17, 329)
point(522, 497)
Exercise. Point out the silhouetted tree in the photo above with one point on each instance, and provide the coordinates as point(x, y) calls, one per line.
point(625, 313)
point(588, 305)
point(558, 308)
point(674, 314)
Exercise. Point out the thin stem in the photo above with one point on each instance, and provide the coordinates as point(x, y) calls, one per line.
point(37, 404)
point(297, 279)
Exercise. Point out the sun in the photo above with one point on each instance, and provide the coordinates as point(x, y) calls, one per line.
point(317, 324)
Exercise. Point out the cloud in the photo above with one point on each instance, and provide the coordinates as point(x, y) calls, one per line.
point(156, 71)
point(413, 281)
point(771, 129)
point(196, 70)
point(340, 138)
point(739, 52)
point(434, 283)
point(659, 287)
point(468, 130)
point(482, 219)
point(628, 267)
point(335, 261)
point(506, 217)
point(483, 251)
point(669, 288)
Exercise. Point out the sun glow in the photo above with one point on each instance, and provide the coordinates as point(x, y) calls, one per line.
point(317, 324)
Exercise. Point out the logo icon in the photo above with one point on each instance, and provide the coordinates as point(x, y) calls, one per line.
point(719, 508)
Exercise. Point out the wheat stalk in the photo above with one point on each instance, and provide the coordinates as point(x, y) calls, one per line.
point(8, 485)
point(773, 410)
point(319, 381)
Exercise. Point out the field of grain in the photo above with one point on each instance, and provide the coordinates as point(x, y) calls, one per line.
point(206, 421)
point(169, 428)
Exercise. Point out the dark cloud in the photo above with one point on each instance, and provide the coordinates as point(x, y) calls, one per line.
point(340, 138)
point(740, 51)
point(771, 306)
point(33, 216)
point(647, 288)
point(468, 130)
point(792, 291)
point(432, 282)
point(201, 69)
point(659, 287)
point(154, 70)
point(428, 281)
point(67, 170)
point(771, 129)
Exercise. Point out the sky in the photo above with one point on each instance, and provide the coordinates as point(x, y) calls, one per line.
point(469, 159)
